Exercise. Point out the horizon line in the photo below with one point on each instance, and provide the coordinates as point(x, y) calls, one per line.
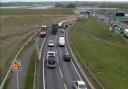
point(62, 1)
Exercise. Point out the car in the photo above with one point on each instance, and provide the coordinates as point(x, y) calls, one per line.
point(62, 30)
point(70, 23)
point(54, 29)
point(61, 41)
point(51, 59)
point(60, 24)
point(61, 35)
point(79, 85)
point(51, 43)
point(43, 31)
point(66, 25)
point(43, 34)
point(66, 57)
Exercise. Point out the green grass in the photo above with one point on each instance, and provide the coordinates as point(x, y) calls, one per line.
point(105, 52)
point(30, 73)
point(126, 10)
point(8, 52)
point(51, 11)
point(17, 24)
point(14, 24)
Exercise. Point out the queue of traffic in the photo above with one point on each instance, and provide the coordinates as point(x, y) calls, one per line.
point(52, 55)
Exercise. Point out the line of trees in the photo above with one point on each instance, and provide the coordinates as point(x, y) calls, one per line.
point(70, 5)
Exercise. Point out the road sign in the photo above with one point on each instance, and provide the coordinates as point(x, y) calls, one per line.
point(16, 65)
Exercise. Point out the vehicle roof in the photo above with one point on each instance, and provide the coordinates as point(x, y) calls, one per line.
point(81, 82)
point(61, 39)
point(51, 52)
point(42, 32)
point(51, 58)
point(51, 41)
point(43, 26)
point(126, 30)
point(66, 54)
point(61, 35)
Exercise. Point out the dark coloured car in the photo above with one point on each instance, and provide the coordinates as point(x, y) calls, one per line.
point(54, 28)
point(66, 57)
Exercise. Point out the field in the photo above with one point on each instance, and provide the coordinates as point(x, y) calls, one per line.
point(105, 52)
point(18, 25)
point(126, 10)
point(51, 11)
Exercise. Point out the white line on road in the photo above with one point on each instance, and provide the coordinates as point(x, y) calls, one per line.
point(65, 44)
point(43, 72)
point(34, 76)
point(65, 86)
point(41, 48)
point(43, 60)
point(57, 58)
point(72, 61)
point(37, 45)
point(3, 82)
point(56, 41)
point(76, 70)
point(61, 72)
point(66, 49)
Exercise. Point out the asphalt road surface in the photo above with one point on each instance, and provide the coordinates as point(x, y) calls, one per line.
point(26, 55)
point(106, 20)
point(64, 74)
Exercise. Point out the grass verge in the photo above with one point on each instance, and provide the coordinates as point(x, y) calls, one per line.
point(50, 11)
point(31, 69)
point(104, 52)
point(14, 32)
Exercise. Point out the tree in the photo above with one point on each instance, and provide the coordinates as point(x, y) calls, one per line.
point(59, 5)
point(71, 5)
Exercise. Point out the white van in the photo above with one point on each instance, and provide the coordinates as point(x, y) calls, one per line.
point(61, 41)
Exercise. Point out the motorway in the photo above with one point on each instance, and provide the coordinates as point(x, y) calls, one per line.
point(106, 20)
point(64, 74)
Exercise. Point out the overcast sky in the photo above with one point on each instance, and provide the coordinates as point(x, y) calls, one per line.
point(59, 0)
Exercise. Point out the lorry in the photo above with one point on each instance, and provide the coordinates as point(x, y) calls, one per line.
point(61, 41)
point(54, 28)
point(60, 24)
point(43, 31)
point(51, 59)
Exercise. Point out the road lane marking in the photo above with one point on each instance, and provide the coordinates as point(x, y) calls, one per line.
point(43, 60)
point(43, 72)
point(34, 76)
point(66, 48)
point(57, 57)
point(3, 82)
point(76, 70)
point(65, 86)
point(37, 45)
point(61, 72)
point(41, 48)
point(65, 43)
point(72, 61)
point(55, 41)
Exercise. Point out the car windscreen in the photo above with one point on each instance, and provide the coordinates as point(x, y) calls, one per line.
point(68, 57)
point(51, 54)
point(51, 60)
point(82, 86)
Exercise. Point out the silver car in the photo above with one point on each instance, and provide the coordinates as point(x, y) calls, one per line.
point(79, 85)
point(51, 43)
